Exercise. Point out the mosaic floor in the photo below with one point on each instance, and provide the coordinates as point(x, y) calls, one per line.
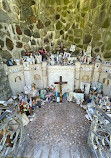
point(58, 131)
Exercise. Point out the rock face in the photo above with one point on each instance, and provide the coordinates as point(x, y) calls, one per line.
point(19, 45)
point(72, 22)
point(4, 17)
point(4, 84)
point(18, 30)
point(9, 44)
point(5, 54)
point(27, 32)
point(40, 24)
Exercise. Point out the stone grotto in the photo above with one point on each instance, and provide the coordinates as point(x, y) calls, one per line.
point(55, 78)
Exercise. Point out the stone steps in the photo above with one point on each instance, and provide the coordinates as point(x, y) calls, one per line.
point(40, 150)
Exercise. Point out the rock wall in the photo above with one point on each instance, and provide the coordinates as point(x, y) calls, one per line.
point(42, 22)
point(67, 73)
point(5, 91)
point(29, 24)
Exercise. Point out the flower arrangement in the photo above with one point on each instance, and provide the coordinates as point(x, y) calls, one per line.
point(23, 107)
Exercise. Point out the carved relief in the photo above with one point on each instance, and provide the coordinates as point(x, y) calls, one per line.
point(18, 78)
point(37, 77)
point(85, 78)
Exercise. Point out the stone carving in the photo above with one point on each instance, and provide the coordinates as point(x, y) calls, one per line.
point(37, 77)
point(18, 78)
point(85, 78)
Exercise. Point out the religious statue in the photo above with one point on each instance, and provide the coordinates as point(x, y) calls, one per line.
point(72, 48)
point(57, 57)
point(60, 57)
point(88, 52)
point(84, 59)
point(52, 60)
point(33, 91)
point(38, 58)
point(32, 60)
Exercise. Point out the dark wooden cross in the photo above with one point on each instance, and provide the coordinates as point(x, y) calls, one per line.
point(60, 83)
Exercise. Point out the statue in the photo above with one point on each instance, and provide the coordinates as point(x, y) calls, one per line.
point(52, 60)
point(32, 60)
point(84, 59)
point(60, 57)
point(33, 91)
point(88, 52)
point(38, 58)
point(72, 48)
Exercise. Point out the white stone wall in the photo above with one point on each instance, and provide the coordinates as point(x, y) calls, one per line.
point(16, 79)
point(106, 76)
point(43, 76)
point(67, 73)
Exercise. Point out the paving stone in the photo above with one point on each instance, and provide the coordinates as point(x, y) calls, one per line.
point(65, 152)
point(38, 150)
point(55, 151)
point(45, 152)
point(62, 130)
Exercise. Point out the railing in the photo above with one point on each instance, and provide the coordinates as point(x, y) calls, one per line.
point(12, 133)
point(100, 134)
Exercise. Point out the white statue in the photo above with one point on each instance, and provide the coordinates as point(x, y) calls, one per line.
point(89, 48)
point(32, 61)
point(57, 57)
point(38, 58)
point(88, 52)
point(52, 60)
point(60, 57)
point(84, 59)
point(72, 48)
point(33, 91)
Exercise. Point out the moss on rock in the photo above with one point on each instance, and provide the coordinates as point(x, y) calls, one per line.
point(67, 26)
point(47, 23)
point(107, 55)
point(106, 23)
point(77, 32)
point(77, 40)
point(66, 2)
point(40, 24)
point(71, 38)
point(87, 39)
point(59, 25)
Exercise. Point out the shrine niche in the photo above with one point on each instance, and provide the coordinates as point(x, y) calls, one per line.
point(85, 78)
point(37, 77)
point(60, 83)
point(85, 87)
point(18, 78)
point(106, 81)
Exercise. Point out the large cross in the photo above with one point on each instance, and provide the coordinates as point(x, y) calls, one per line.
point(60, 83)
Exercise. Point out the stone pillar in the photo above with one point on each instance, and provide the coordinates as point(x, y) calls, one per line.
point(97, 71)
point(44, 74)
point(77, 75)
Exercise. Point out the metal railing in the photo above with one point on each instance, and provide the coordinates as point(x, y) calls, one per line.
point(100, 134)
point(12, 134)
